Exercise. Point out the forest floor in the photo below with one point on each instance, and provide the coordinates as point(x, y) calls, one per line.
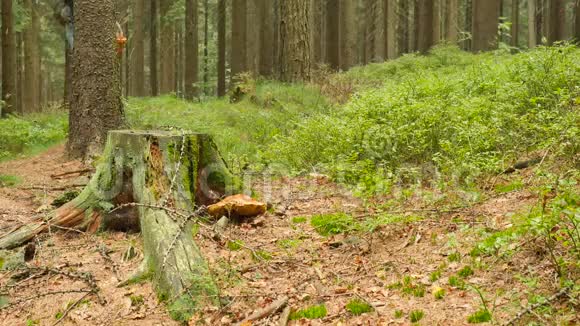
point(396, 269)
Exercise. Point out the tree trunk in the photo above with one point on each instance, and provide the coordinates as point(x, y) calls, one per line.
point(191, 49)
point(332, 34)
point(8, 60)
point(153, 53)
point(403, 27)
point(295, 50)
point(167, 48)
point(238, 58)
point(316, 34)
point(452, 20)
point(155, 180)
point(485, 24)
point(515, 23)
point(266, 14)
point(556, 21)
point(19, 72)
point(425, 13)
point(206, 47)
point(96, 92)
point(221, 63)
point(347, 33)
point(138, 56)
point(31, 96)
point(390, 28)
point(577, 25)
point(437, 21)
point(532, 24)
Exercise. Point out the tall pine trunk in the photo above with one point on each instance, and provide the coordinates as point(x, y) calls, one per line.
point(266, 14)
point(96, 104)
point(515, 23)
point(238, 58)
point(532, 24)
point(389, 28)
point(191, 48)
point(138, 55)
point(221, 63)
point(556, 21)
point(167, 48)
point(295, 50)
point(347, 33)
point(8, 60)
point(403, 27)
point(577, 23)
point(425, 33)
point(485, 24)
point(332, 34)
point(153, 53)
point(31, 94)
point(452, 21)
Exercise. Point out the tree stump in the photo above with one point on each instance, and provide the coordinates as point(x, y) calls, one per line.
point(151, 181)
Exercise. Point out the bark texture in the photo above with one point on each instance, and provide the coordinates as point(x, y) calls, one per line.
point(221, 63)
point(153, 53)
point(238, 59)
point(485, 24)
point(96, 104)
point(266, 14)
point(295, 50)
point(577, 23)
point(167, 49)
point(138, 55)
point(532, 25)
point(138, 167)
point(191, 48)
point(425, 33)
point(31, 90)
point(452, 21)
point(390, 28)
point(556, 21)
point(8, 60)
point(332, 34)
point(347, 28)
point(515, 23)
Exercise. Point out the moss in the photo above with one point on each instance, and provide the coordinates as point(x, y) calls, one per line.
point(358, 307)
point(65, 198)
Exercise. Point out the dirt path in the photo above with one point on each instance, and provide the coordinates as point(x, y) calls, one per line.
point(396, 268)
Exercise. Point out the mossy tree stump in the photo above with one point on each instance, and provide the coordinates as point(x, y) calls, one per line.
point(141, 171)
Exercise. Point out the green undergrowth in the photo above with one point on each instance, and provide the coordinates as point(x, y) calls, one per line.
point(446, 117)
point(31, 134)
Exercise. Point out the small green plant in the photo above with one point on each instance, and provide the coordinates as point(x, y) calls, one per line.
point(439, 293)
point(416, 315)
point(358, 307)
point(465, 272)
point(480, 316)
point(261, 255)
point(32, 322)
point(434, 276)
point(454, 257)
point(408, 286)
point(327, 224)
point(456, 282)
point(9, 180)
point(512, 186)
point(136, 300)
point(313, 312)
point(58, 315)
point(399, 313)
point(288, 243)
point(235, 245)
point(299, 219)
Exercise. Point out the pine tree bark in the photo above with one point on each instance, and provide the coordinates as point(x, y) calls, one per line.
point(167, 48)
point(295, 50)
point(437, 21)
point(390, 28)
point(452, 28)
point(403, 27)
point(347, 33)
point(31, 90)
point(532, 24)
point(96, 104)
point(577, 23)
point(238, 59)
point(556, 21)
point(316, 28)
point(221, 63)
point(138, 55)
point(332, 33)
point(485, 24)
point(8, 60)
point(153, 53)
point(425, 13)
point(515, 23)
point(266, 34)
point(206, 47)
point(191, 49)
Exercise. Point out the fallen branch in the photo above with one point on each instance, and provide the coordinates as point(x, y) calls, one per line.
point(45, 294)
point(266, 311)
point(64, 174)
point(71, 307)
point(76, 185)
point(530, 308)
point(284, 316)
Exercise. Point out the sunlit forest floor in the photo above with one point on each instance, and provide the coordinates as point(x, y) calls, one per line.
point(392, 191)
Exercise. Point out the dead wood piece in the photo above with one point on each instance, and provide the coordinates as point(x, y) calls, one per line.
point(285, 316)
point(532, 307)
point(266, 311)
point(68, 173)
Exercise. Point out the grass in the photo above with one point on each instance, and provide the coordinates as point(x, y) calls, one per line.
point(358, 307)
point(480, 316)
point(328, 224)
point(312, 312)
point(7, 180)
point(416, 315)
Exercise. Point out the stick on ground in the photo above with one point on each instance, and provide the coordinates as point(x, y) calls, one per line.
point(266, 311)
